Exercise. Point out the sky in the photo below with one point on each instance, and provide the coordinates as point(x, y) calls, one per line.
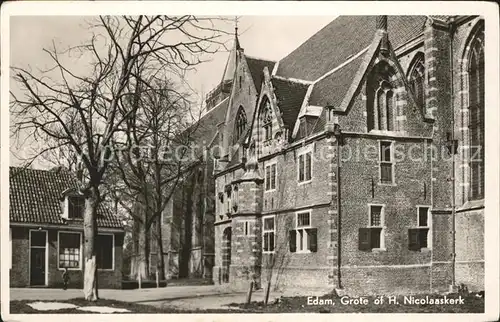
point(269, 37)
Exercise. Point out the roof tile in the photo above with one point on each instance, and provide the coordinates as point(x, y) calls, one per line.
point(290, 96)
point(34, 197)
point(256, 67)
point(342, 38)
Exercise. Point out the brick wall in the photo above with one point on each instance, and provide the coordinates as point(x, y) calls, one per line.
point(360, 187)
point(422, 178)
point(386, 280)
point(19, 274)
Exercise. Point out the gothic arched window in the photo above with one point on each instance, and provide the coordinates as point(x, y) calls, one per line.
point(266, 119)
point(380, 98)
point(475, 70)
point(416, 79)
point(241, 123)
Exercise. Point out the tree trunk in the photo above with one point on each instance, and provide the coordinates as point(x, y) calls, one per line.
point(90, 235)
point(142, 258)
point(160, 262)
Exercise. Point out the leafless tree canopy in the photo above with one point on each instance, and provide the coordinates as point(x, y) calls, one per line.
point(87, 113)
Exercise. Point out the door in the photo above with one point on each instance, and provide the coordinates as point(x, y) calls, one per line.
point(37, 266)
point(38, 257)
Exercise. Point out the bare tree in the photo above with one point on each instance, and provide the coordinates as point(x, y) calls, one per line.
point(162, 137)
point(85, 112)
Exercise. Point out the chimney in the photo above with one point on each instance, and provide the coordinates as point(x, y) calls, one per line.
point(382, 27)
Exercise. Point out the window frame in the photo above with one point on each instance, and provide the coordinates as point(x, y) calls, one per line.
point(67, 206)
point(79, 268)
point(248, 228)
point(266, 117)
point(241, 123)
point(428, 227)
point(304, 167)
point(417, 76)
point(392, 163)
point(112, 252)
point(46, 247)
point(379, 117)
point(264, 231)
point(302, 239)
point(266, 166)
point(382, 225)
point(476, 183)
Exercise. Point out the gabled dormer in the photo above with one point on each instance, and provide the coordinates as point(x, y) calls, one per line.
point(73, 204)
point(380, 98)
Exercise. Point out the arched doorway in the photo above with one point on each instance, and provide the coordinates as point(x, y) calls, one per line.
point(226, 254)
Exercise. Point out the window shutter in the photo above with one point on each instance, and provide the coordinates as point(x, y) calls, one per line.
point(312, 239)
point(364, 239)
point(423, 237)
point(413, 239)
point(292, 240)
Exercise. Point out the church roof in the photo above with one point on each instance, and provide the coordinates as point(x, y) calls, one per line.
point(341, 39)
point(231, 62)
point(256, 67)
point(206, 128)
point(289, 95)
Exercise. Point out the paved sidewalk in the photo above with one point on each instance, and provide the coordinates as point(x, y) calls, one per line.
point(182, 297)
point(137, 296)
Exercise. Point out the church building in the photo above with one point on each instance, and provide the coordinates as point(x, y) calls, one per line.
point(355, 162)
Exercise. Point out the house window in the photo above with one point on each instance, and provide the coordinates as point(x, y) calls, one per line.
point(270, 178)
point(372, 237)
point(416, 79)
point(304, 237)
point(228, 201)
point(266, 119)
point(268, 234)
point(476, 116)
point(380, 98)
point(247, 228)
point(76, 207)
point(420, 237)
point(105, 251)
point(305, 167)
point(241, 123)
point(69, 250)
point(386, 163)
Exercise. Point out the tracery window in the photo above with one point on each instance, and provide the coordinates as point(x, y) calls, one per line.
point(380, 98)
point(416, 80)
point(475, 70)
point(266, 119)
point(241, 123)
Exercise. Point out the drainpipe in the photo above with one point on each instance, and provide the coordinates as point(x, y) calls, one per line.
point(337, 132)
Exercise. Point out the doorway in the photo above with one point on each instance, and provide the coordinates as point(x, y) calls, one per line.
point(38, 258)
